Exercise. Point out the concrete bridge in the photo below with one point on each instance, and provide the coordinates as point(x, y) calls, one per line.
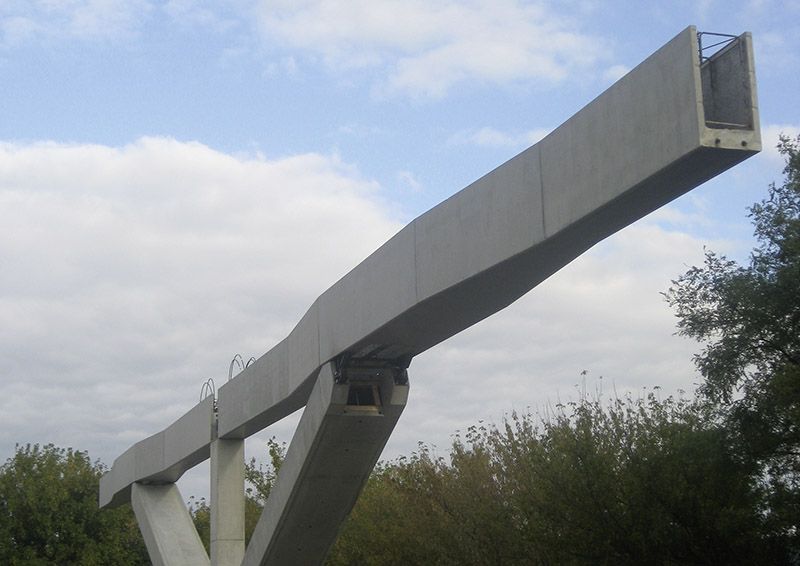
point(678, 119)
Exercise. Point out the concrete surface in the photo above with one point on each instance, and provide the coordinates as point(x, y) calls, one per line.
point(729, 98)
point(637, 146)
point(163, 457)
point(664, 128)
point(166, 526)
point(329, 459)
point(227, 502)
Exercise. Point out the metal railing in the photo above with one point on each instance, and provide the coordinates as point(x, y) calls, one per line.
point(703, 50)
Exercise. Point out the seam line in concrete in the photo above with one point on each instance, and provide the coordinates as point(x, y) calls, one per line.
point(541, 188)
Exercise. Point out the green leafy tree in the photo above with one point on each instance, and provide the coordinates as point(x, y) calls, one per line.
point(631, 482)
point(748, 317)
point(637, 482)
point(49, 513)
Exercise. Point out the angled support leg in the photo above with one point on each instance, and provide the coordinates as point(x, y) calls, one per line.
point(227, 502)
point(166, 526)
point(343, 430)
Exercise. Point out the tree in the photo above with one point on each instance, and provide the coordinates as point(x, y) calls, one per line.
point(49, 513)
point(634, 481)
point(748, 318)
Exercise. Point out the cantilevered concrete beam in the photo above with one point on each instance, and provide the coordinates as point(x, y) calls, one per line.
point(664, 128)
point(341, 434)
point(637, 146)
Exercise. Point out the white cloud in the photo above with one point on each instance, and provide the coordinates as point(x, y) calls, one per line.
point(358, 130)
point(287, 66)
point(776, 48)
point(755, 8)
point(25, 21)
point(131, 274)
point(602, 313)
point(199, 14)
point(408, 181)
point(427, 47)
point(769, 139)
point(703, 8)
point(615, 73)
point(491, 137)
point(16, 29)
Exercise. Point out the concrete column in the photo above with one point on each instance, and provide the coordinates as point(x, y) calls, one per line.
point(227, 502)
point(341, 434)
point(166, 526)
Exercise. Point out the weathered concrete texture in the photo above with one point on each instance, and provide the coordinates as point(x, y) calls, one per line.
point(163, 457)
point(728, 79)
point(498, 216)
point(166, 526)
point(333, 450)
point(227, 502)
point(637, 146)
point(258, 402)
point(390, 269)
point(640, 144)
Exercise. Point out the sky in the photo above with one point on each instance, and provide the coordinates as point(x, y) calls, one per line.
point(179, 180)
